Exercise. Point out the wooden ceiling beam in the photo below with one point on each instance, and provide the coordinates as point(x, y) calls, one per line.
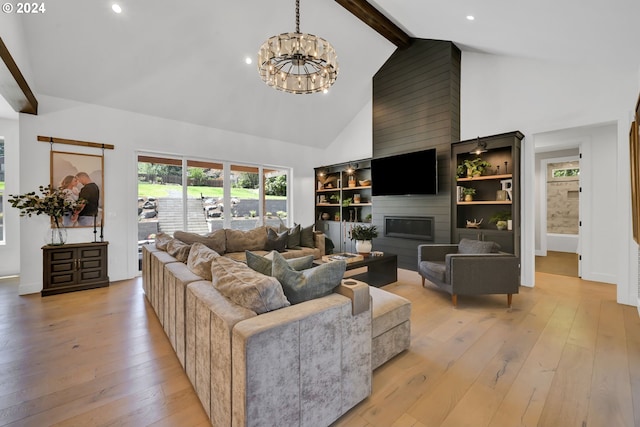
point(376, 20)
point(13, 86)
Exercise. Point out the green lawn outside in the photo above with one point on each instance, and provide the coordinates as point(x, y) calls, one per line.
point(1, 185)
point(146, 189)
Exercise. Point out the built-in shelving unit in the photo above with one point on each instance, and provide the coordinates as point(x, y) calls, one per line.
point(343, 198)
point(497, 190)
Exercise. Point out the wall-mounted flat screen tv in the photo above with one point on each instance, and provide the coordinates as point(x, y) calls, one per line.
point(405, 174)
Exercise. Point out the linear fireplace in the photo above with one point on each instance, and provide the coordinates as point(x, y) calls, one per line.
point(409, 227)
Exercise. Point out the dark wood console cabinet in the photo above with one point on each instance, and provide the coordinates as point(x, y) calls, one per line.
point(74, 267)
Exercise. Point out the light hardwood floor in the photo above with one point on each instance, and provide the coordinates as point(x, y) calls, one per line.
point(566, 355)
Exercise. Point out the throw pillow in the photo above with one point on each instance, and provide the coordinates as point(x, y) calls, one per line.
point(214, 240)
point(294, 237)
point(240, 241)
point(178, 249)
point(264, 264)
point(246, 287)
point(276, 241)
point(300, 286)
point(306, 237)
point(161, 241)
point(469, 246)
point(199, 260)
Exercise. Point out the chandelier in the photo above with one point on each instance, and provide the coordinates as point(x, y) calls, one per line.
point(298, 62)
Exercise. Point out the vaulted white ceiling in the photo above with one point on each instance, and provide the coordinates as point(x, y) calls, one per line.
point(185, 60)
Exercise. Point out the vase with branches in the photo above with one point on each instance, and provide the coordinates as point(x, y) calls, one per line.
point(51, 202)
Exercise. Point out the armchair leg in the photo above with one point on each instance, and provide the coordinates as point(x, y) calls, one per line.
point(454, 300)
point(509, 299)
point(422, 277)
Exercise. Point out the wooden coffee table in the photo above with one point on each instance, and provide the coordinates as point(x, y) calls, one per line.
point(381, 270)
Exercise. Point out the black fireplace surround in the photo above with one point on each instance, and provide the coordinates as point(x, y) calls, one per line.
point(409, 227)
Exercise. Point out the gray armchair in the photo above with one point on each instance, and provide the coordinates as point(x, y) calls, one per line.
point(472, 267)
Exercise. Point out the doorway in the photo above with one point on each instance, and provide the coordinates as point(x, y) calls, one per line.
point(560, 215)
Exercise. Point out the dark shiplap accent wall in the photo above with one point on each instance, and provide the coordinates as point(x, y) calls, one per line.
point(416, 105)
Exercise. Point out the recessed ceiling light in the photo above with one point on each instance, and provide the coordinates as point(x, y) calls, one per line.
point(116, 8)
point(248, 60)
point(470, 17)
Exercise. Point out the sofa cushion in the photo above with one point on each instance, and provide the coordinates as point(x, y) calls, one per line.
point(263, 264)
point(247, 287)
point(199, 260)
point(308, 284)
point(306, 237)
point(161, 241)
point(240, 241)
point(276, 241)
point(469, 246)
point(178, 249)
point(294, 237)
point(215, 240)
point(433, 270)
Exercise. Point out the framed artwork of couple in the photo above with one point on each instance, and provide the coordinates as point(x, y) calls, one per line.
point(80, 176)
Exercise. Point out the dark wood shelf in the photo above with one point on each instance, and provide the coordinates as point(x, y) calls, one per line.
point(486, 177)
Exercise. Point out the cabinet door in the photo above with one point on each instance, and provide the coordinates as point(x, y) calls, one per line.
point(468, 233)
point(92, 264)
point(61, 266)
point(333, 231)
point(502, 237)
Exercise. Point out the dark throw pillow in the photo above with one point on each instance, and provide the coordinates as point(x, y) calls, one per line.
point(294, 237)
point(300, 286)
point(306, 237)
point(276, 241)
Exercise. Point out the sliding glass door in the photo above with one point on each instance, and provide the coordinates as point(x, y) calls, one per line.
point(203, 196)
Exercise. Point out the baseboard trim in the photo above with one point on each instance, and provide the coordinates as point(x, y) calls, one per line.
point(29, 288)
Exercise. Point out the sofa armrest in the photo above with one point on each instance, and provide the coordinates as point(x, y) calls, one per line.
point(435, 252)
point(478, 274)
point(209, 321)
point(318, 239)
point(307, 364)
point(357, 292)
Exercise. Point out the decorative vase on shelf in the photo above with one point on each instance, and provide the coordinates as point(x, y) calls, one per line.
point(501, 225)
point(325, 216)
point(56, 236)
point(363, 247)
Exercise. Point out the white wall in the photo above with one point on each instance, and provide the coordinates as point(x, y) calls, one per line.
point(10, 251)
point(354, 142)
point(500, 94)
point(131, 132)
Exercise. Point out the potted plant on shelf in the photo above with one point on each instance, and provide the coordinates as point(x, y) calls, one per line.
point(472, 168)
point(363, 234)
point(53, 203)
point(468, 194)
point(501, 219)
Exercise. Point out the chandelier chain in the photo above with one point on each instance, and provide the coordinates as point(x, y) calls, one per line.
point(297, 16)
